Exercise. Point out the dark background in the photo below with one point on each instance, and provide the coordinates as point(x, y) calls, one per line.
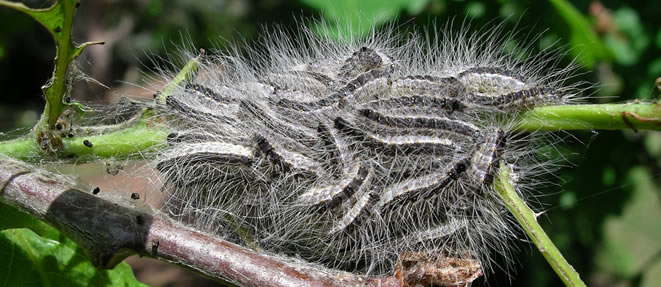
point(602, 211)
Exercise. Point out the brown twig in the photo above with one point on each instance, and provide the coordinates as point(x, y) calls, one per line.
point(110, 232)
point(639, 118)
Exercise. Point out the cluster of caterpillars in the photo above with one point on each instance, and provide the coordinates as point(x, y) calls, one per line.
point(350, 165)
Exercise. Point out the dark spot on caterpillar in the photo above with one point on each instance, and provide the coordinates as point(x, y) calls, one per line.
point(155, 95)
point(459, 168)
point(96, 190)
point(58, 29)
point(139, 220)
point(88, 143)
point(135, 195)
point(58, 126)
point(70, 135)
point(154, 246)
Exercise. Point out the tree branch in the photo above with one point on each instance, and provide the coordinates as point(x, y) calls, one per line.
point(111, 231)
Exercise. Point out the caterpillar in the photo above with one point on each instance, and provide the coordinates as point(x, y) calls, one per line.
point(353, 154)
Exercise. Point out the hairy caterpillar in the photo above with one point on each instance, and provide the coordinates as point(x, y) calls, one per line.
point(353, 154)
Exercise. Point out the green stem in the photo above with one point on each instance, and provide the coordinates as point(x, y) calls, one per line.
point(635, 116)
point(187, 73)
point(54, 89)
point(134, 142)
point(528, 221)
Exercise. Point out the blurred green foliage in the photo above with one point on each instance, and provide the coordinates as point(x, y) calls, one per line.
point(602, 210)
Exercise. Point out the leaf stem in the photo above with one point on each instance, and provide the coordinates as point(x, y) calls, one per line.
point(528, 221)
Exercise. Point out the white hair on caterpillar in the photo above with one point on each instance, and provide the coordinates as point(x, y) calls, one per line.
point(351, 153)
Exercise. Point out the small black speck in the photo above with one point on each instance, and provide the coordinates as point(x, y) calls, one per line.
point(58, 29)
point(58, 126)
point(77, 4)
point(135, 195)
point(139, 219)
point(96, 190)
point(154, 246)
point(157, 94)
point(87, 143)
point(70, 135)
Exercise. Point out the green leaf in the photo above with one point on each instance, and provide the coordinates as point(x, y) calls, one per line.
point(587, 46)
point(11, 218)
point(39, 255)
point(357, 17)
point(51, 18)
point(58, 20)
point(629, 40)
